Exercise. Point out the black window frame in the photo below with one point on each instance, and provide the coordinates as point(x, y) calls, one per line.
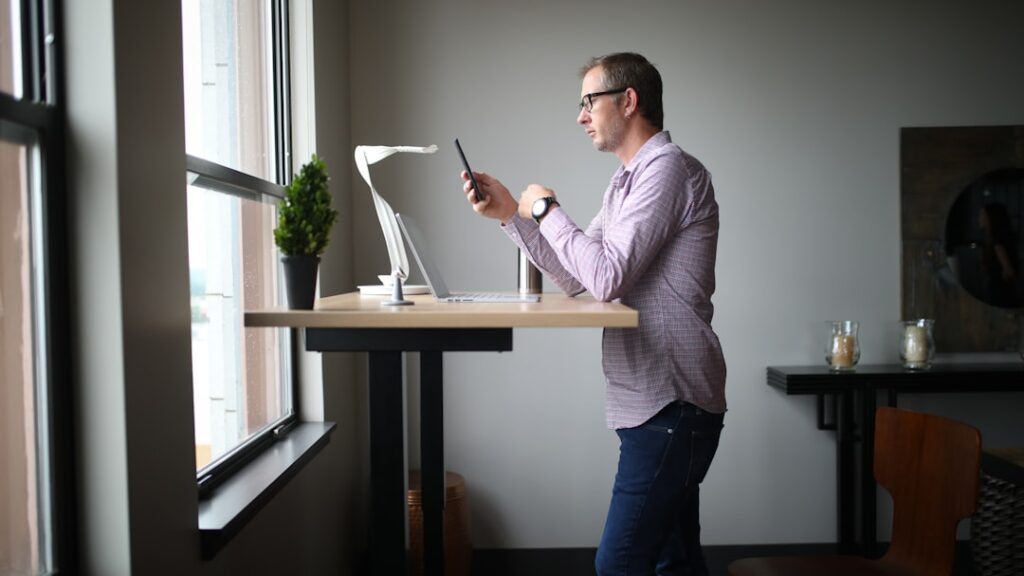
point(222, 179)
point(38, 118)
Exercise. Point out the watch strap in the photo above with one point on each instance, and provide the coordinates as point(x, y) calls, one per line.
point(549, 202)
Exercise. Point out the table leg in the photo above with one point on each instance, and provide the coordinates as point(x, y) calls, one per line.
point(387, 465)
point(432, 461)
point(868, 490)
point(845, 472)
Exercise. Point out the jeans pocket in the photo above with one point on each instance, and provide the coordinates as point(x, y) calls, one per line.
point(658, 428)
point(703, 445)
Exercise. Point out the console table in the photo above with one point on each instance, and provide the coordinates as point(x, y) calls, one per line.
point(850, 413)
point(355, 323)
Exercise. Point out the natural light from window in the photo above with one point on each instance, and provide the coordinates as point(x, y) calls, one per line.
point(237, 373)
point(21, 548)
point(228, 77)
point(241, 377)
point(10, 41)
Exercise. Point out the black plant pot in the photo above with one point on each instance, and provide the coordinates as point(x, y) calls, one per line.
point(300, 280)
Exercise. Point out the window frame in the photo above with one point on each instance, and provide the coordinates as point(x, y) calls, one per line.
point(222, 179)
point(36, 119)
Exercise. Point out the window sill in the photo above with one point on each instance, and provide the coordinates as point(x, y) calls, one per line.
point(240, 498)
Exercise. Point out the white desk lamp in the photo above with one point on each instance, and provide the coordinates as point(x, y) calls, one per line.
point(365, 156)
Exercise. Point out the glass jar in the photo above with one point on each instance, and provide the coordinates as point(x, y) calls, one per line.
point(842, 349)
point(917, 345)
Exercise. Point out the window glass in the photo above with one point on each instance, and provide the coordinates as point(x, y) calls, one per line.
point(228, 84)
point(21, 523)
point(10, 25)
point(240, 376)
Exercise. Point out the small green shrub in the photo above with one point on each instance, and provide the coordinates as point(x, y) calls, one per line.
point(305, 216)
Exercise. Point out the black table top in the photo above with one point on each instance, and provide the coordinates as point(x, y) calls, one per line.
point(952, 377)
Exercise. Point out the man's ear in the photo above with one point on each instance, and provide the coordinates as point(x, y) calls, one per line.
point(632, 101)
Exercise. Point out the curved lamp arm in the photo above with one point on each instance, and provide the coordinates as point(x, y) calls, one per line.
point(365, 156)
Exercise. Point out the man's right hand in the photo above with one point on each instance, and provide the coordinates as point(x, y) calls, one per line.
point(498, 202)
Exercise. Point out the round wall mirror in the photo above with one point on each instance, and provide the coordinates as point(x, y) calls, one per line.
point(984, 238)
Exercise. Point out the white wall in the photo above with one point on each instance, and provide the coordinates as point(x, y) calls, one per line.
point(794, 106)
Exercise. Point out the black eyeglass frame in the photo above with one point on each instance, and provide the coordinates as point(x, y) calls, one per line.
point(587, 102)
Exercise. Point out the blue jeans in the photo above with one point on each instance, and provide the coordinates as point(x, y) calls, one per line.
point(653, 524)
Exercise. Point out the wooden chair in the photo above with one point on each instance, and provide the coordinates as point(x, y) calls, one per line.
point(930, 466)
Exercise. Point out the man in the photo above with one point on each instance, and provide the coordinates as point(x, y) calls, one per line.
point(652, 246)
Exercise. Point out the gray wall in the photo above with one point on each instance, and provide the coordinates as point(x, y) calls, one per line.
point(794, 106)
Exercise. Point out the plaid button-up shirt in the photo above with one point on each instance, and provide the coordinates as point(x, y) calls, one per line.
point(652, 247)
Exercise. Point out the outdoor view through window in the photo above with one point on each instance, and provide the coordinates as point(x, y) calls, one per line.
point(10, 38)
point(241, 377)
point(34, 396)
point(20, 546)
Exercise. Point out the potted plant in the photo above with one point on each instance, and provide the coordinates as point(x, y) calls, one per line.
point(303, 230)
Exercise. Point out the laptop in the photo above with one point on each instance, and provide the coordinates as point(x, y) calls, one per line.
point(433, 276)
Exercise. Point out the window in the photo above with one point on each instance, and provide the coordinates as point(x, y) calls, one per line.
point(240, 377)
point(236, 136)
point(19, 480)
point(35, 478)
point(229, 80)
point(10, 42)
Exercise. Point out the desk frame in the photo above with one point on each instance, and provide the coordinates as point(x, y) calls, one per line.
point(387, 428)
point(355, 323)
point(856, 491)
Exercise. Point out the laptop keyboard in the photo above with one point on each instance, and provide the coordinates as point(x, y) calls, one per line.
point(487, 297)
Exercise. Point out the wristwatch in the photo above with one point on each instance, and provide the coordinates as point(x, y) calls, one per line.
point(542, 206)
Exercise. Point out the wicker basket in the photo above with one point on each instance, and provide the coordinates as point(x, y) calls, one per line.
point(997, 528)
point(458, 549)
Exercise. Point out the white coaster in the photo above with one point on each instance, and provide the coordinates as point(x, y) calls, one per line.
point(382, 290)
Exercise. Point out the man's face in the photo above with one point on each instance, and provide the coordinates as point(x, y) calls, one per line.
point(603, 123)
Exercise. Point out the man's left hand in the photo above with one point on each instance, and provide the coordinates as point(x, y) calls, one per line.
point(532, 193)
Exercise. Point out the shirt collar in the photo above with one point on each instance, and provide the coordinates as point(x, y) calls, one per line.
point(645, 151)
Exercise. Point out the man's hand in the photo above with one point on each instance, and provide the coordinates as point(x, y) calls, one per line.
point(532, 193)
point(498, 202)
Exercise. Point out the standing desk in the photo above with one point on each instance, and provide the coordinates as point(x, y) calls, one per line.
point(354, 323)
point(853, 397)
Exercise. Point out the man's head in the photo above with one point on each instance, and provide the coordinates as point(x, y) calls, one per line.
point(627, 84)
point(630, 70)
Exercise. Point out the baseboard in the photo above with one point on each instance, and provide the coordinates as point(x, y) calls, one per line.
point(562, 561)
point(576, 561)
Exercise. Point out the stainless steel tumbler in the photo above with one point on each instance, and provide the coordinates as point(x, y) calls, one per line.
point(530, 278)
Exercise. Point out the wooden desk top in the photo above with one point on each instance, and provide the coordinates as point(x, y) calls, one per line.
point(353, 310)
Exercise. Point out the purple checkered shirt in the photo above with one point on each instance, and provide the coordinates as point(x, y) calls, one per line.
point(652, 247)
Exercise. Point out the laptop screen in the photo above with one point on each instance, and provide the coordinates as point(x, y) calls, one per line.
point(430, 271)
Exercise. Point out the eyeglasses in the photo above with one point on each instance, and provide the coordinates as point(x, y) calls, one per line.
point(587, 102)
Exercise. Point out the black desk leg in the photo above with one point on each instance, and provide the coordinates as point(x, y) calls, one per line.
point(432, 459)
point(868, 491)
point(845, 472)
point(387, 465)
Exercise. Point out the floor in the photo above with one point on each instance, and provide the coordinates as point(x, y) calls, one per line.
point(580, 561)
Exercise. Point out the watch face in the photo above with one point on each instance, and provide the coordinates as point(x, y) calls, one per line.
point(540, 207)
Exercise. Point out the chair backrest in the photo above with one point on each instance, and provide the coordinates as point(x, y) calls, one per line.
point(930, 465)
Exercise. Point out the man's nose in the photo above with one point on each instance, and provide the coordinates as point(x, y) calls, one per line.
point(583, 116)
